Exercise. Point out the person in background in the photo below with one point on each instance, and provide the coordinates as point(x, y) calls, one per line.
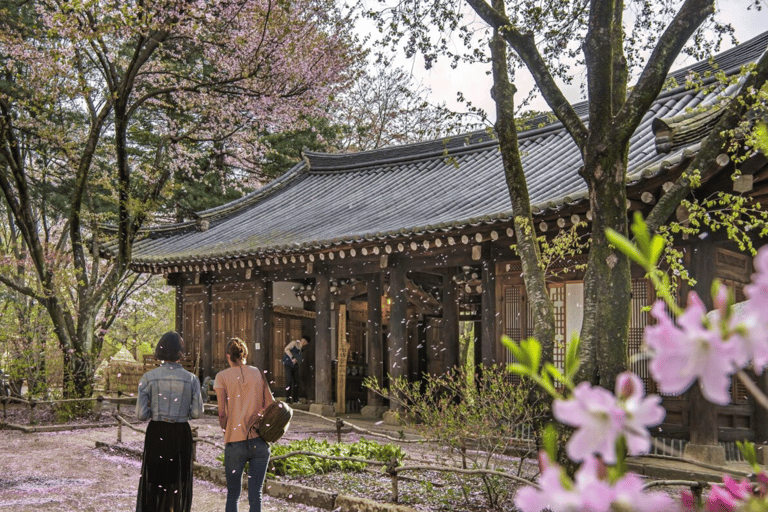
point(291, 362)
point(169, 396)
point(242, 393)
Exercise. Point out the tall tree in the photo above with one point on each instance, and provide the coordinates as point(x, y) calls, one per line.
point(616, 41)
point(103, 102)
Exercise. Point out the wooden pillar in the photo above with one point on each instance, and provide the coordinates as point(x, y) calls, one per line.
point(261, 325)
point(398, 334)
point(208, 331)
point(323, 356)
point(450, 328)
point(761, 415)
point(703, 429)
point(488, 337)
point(373, 333)
point(179, 323)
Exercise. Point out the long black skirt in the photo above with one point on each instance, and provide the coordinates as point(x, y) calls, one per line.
point(166, 469)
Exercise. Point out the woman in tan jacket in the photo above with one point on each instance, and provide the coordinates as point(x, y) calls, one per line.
point(242, 394)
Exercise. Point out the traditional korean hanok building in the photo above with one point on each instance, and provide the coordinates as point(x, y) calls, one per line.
point(415, 239)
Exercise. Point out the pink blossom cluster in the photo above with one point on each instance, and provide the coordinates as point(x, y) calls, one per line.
point(732, 495)
point(602, 417)
point(711, 347)
point(591, 491)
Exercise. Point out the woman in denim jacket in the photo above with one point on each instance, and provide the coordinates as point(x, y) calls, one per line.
point(169, 396)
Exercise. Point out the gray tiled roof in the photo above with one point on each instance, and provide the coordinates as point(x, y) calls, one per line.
point(394, 192)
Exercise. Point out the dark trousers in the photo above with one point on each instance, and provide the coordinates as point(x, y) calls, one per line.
point(292, 382)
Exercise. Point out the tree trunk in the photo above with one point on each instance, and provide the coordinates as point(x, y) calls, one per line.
point(607, 283)
point(527, 246)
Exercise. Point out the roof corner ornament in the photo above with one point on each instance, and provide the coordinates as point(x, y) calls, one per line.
point(304, 157)
point(202, 225)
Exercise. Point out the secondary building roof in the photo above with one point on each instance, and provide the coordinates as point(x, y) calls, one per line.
point(346, 199)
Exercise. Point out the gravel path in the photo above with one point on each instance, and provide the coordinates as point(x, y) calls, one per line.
point(64, 472)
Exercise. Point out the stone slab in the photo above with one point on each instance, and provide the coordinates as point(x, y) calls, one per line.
point(295, 493)
point(710, 454)
point(323, 410)
point(373, 411)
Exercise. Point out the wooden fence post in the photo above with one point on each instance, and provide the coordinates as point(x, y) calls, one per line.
point(32, 405)
point(119, 423)
point(392, 470)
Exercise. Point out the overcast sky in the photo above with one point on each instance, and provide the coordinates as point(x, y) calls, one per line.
point(476, 84)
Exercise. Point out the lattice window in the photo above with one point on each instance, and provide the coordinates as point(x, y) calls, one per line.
point(739, 393)
point(641, 297)
point(557, 295)
point(513, 316)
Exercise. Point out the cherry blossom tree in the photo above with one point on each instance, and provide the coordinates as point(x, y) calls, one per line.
point(102, 103)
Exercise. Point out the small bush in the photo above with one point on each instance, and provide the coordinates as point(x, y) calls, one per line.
point(307, 465)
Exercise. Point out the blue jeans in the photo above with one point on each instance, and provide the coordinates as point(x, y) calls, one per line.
point(256, 453)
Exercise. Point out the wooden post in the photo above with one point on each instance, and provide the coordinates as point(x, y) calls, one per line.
point(207, 342)
point(119, 423)
point(261, 327)
point(323, 378)
point(703, 441)
point(374, 332)
point(341, 365)
point(488, 338)
point(450, 329)
point(398, 354)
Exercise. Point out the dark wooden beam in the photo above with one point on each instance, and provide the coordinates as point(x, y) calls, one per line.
point(208, 370)
point(261, 324)
point(703, 415)
point(374, 332)
point(398, 333)
point(450, 330)
point(488, 337)
point(323, 356)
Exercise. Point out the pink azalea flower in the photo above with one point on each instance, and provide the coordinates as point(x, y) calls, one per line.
point(729, 496)
point(641, 412)
point(683, 354)
point(754, 313)
point(600, 418)
point(590, 492)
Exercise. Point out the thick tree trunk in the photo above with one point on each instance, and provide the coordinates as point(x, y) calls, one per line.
point(607, 284)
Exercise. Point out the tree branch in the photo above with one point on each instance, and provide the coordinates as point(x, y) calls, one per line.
point(688, 19)
point(706, 161)
point(525, 46)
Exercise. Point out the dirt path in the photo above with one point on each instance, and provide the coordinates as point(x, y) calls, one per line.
point(65, 472)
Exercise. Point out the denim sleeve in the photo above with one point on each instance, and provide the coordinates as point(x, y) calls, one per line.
point(143, 411)
point(196, 405)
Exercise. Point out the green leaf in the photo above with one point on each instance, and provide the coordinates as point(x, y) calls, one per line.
point(572, 359)
point(642, 236)
point(517, 351)
point(625, 246)
point(519, 369)
point(533, 350)
point(555, 372)
point(549, 441)
point(657, 249)
point(750, 454)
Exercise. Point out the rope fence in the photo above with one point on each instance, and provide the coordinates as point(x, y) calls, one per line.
point(32, 404)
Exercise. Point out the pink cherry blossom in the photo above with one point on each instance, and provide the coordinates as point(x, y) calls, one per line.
point(601, 418)
point(680, 355)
